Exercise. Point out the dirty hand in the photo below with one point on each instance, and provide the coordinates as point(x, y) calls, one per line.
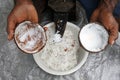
point(22, 11)
point(103, 14)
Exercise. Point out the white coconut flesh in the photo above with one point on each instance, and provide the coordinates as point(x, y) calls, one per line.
point(30, 37)
point(57, 38)
point(93, 37)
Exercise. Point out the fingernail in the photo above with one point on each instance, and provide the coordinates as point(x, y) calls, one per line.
point(45, 28)
point(112, 42)
point(8, 37)
point(111, 45)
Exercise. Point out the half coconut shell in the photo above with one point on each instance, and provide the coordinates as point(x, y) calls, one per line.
point(93, 37)
point(30, 37)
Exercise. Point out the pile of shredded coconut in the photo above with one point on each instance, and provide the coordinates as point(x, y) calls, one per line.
point(61, 56)
point(57, 38)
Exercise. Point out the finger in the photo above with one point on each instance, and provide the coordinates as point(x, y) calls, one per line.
point(113, 35)
point(111, 25)
point(10, 28)
point(118, 20)
point(34, 18)
point(94, 16)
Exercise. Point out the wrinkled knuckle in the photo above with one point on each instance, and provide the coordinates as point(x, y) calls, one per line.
point(115, 27)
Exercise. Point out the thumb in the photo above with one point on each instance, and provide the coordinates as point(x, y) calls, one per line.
point(10, 28)
point(113, 35)
point(94, 16)
point(34, 18)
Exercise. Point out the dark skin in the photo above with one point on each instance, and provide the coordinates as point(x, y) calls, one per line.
point(118, 20)
point(25, 10)
point(103, 14)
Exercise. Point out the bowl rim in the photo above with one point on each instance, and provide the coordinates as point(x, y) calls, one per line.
point(53, 72)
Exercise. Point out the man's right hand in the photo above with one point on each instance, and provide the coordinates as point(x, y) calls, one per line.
point(21, 12)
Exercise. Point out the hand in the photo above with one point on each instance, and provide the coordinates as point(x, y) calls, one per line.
point(104, 16)
point(21, 12)
point(118, 20)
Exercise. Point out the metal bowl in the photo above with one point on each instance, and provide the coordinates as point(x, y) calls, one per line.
point(81, 54)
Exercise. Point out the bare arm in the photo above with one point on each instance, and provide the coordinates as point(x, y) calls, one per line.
point(110, 4)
